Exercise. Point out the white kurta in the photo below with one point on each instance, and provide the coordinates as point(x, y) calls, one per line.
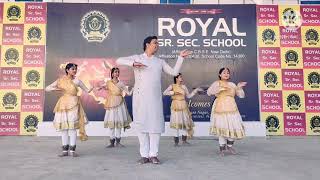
point(147, 96)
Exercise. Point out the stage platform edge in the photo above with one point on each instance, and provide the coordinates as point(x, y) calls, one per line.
point(95, 128)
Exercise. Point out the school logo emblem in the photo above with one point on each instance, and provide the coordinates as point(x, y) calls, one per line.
point(291, 58)
point(95, 26)
point(32, 78)
point(312, 37)
point(314, 80)
point(293, 101)
point(9, 100)
point(31, 123)
point(14, 13)
point(268, 36)
point(270, 79)
point(34, 34)
point(272, 123)
point(291, 19)
point(11, 56)
point(315, 124)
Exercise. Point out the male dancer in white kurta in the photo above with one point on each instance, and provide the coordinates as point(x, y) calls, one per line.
point(147, 96)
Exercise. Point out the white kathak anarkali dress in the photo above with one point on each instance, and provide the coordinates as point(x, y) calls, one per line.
point(117, 115)
point(69, 113)
point(225, 118)
point(181, 117)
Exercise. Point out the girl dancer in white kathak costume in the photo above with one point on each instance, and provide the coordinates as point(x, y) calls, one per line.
point(69, 114)
point(226, 121)
point(117, 115)
point(181, 117)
